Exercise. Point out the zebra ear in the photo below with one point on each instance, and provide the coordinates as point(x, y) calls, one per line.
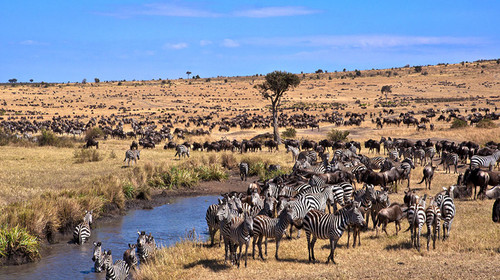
point(98, 243)
point(138, 232)
point(95, 244)
point(444, 188)
point(109, 252)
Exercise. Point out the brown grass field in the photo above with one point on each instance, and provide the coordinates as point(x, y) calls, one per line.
point(30, 174)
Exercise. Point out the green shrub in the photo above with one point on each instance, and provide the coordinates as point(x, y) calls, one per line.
point(93, 133)
point(87, 155)
point(17, 241)
point(289, 133)
point(337, 135)
point(49, 138)
point(211, 173)
point(486, 123)
point(458, 123)
point(129, 190)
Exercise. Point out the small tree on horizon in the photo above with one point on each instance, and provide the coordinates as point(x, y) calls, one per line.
point(385, 90)
point(13, 81)
point(276, 84)
point(96, 80)
point(188, 73)
point(31, 80)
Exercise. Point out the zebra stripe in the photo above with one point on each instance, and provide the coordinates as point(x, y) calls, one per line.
point(241, 230)
point(447, 207)
point(243, 171)
point(430, 152)
point(418, 222)
point(294, 151)
point(98, 257)
point(181, 151)
point(477, 161)
point(433, 221)
point(265, 226)
point(394, 155)
point(449, 159)
point(82, 230)
point(420, 155)
point(117, 271)
point(213, 223)
point(329, 226)
point(132, 155)
point(145, 246)
point(226, 211)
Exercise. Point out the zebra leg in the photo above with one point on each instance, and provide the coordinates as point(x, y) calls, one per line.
point(308, 237)
point(418, 238)
point(313, 241)
point(428, 236)
point(277, 247)
point(349, 228)
point(246, 252)
point(260, 247)
point(255, 238)
point(291, 228)
point(434, 236)
point(266, 246)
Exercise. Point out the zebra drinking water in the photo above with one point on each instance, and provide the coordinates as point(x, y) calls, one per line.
point(132, 155)
point(82, 230)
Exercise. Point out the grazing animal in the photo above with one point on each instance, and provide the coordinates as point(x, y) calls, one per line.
point(476, 177)
point(490, 161)
point(496, 211)
point(493, 193)
point(365, 197)
point(82, 230)
point(146, 246)
point(226, 211)
point(428, 175)
point(433, 220)
point(294, 151)
point(381, 202)
point(181, 151)
point(129, 256)
point(394, 213)
point(91, 142)
point(330, 226)
point(265, 226)
point(244, 171)
point(117, 271)
point(132, 155)
point(134, 146)
point(97, 257)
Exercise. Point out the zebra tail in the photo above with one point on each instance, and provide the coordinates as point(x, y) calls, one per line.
point(80, 238)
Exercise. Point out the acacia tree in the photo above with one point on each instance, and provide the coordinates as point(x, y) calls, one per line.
point(188, 73)
point(385, 90)
point(276, 84)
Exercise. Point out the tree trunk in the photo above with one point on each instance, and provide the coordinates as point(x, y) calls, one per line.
point(276, 131)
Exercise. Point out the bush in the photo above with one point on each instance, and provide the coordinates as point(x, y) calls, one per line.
point(87, 155)
point(337, 135)
point(17, 241)
point(228, 161)
point(129, 190)
point(289, 133)
point(486, 123)
point(458, 123)
point(93, 133)
point(418, 69)
point(49, 138)
point(211, 173)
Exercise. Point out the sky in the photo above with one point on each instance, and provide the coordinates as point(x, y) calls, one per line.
point(61, 41)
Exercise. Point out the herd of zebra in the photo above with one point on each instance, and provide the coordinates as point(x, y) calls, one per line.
point(103, 260)
point(300, 199)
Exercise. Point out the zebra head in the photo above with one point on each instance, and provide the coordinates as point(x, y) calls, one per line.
point(222, 210)
point(269, 202)
point(248, 223)
point(142, 239)
point(288, 213)
point(383, 199)
point(107, 261)
point(88, 217)
point(97, 257)
point(354, 215)
point(370, 192)
point(234, 203)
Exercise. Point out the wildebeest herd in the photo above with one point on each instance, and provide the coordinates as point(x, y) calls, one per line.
point(300, 199)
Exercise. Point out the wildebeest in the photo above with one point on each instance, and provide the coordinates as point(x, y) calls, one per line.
point(428, 175)
point(91, 142)
point(394, 213)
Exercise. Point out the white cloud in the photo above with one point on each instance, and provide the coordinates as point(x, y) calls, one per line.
point(205, 43)
point(275, 12)
point(31, 43)
point(228, 43)
point(177, 46)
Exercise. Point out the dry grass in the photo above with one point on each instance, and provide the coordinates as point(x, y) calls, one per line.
point(470, 252)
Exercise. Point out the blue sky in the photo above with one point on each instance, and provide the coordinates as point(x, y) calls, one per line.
point(60, 41)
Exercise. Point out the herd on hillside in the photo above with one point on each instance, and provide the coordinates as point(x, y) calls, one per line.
point(300, 199)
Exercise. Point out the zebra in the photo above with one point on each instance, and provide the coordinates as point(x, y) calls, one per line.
point(82, 230)
point(97, 257)
point(294, 151)
point(433, 220)
point(448, 159)
point(265, 226)
point(241, 230)
point(145, 246)
point(330, 226)
point(348, 190)
point(418, 222)
point(447, 207)
point(376, 162)
point(213, 223)
point(381, 201)
point(394, 155)
point(430, 152)
point(407, 153)
point(129, 256)
point(244, 171)
point(227, 209)
point(181, 151)
point(132, 155)
point(490, 161)
point(365, 197)
point(117, 271)
point(419, 154)
point(310, 156)
point(407, 165)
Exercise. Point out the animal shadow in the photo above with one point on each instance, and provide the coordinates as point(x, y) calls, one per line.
point(212, 264)
point(400, 246)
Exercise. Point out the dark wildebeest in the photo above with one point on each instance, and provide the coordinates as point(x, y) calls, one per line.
point(476, 177)
point(428, 175)
point(134, 145)
point(91, 142)
point(394, 213)
point(494, 193)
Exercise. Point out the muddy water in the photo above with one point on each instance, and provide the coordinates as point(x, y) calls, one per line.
point(168, 224)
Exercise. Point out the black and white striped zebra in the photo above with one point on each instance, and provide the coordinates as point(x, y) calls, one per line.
point(447, 208)
point(82, 230)
point(244, 171)
point(376, 162)
point(264, 226)
point(213, 223)
point(394, 155)
point(117, 271)
point(348, 190)
point(146, 246)
point(295, 152)
point(310, 156)
point(430, 152)
point(407, 165)
point(418, 222)
point(330, 226)
point(98, 257)
point(241, 231)
point(228, 209)
point(490, 161)
point(419, 156)
point(449, 159)
point(433, 222)
point(181, 151)
point(132, 155)
point(365, 197)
